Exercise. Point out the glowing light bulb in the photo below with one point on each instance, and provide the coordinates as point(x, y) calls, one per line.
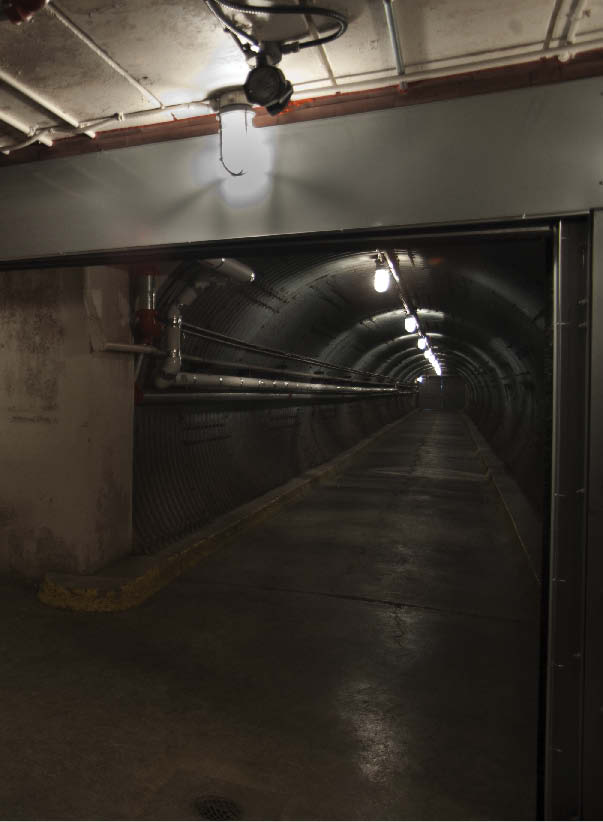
point(427, 354)
point(382, 279)
point(411, 324)
point(420, 379)
point(422, 343)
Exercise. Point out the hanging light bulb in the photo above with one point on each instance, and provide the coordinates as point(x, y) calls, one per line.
point(382, 277)
point(427, 354)
point(411, 324)
point(421, 343)
point(437, 368)
point(420, 379)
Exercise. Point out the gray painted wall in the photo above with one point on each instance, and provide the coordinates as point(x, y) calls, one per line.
point(65, 423)
point(530, 151)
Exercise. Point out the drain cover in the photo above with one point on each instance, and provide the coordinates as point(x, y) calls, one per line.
point(217, 807)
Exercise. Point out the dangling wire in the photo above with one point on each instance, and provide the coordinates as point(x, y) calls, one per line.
point(232, 173)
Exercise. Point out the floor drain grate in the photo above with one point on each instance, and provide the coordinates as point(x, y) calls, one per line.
point(217, 807)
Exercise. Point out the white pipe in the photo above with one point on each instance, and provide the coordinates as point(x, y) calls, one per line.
point(304, 91)
point(223, 382)
point(232, 269)
point(458, 68)
point(394, 35)
point(172, 363)
point(131, 348)
point(19, 125)
point(574, 20)
point(81, 35)
point(39, 100)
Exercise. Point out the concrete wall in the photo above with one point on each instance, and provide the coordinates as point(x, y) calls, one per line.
point(65, 421)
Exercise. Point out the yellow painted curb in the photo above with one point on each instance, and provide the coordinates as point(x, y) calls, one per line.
point(123, 589)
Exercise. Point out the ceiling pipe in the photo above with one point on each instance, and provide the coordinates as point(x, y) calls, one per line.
point(395, 38)
point(304, 90)
point(574, 20)
point(410, 76)
point(23, 128)
point(101, 53)
point(40, 101)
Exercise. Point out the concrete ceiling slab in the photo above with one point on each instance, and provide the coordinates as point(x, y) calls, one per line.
point(93, 59)
point(446, 29)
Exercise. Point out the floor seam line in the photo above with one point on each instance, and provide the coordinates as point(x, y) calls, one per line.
point(353, 598)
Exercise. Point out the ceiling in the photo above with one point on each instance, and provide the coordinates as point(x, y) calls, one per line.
point(86, 59)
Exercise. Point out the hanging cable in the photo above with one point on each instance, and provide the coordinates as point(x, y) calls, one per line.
point(286, 47)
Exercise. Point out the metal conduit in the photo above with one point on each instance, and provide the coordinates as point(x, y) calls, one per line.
point(214, 336)
point(265, 371)
point(160, 397)
point(234, 383)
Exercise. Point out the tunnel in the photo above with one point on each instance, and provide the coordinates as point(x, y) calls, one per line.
point(483, 300)
point(348, 530)
point(301, 500)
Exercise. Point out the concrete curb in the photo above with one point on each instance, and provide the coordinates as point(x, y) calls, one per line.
point(132, 580)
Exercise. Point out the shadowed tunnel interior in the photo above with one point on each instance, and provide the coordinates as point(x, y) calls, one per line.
point(369, 649)
point(482, 299)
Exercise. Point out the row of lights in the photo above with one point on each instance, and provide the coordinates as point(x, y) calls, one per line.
point(381, 283)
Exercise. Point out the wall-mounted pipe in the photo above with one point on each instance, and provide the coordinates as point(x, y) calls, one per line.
point(223, 382)
point(233, 342)
point(172, 363)
point(165, 397)
point(264, 371)
point(210, 270)
point(132, 348)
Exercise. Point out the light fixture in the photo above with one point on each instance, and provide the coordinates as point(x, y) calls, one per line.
point(421, 343)
point(382, 277)
point(234, 120)
point(410, 324)
point(267, 86)
point(420, 379)
point(427, 354)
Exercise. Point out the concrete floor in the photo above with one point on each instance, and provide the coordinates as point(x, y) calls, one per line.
point(368, 653)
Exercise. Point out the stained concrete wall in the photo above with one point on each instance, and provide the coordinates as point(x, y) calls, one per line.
point(65, 422)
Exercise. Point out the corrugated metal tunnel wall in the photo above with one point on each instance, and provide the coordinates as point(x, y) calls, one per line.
point(482, 301)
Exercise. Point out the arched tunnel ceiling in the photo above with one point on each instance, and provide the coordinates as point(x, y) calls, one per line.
point(484, 298)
